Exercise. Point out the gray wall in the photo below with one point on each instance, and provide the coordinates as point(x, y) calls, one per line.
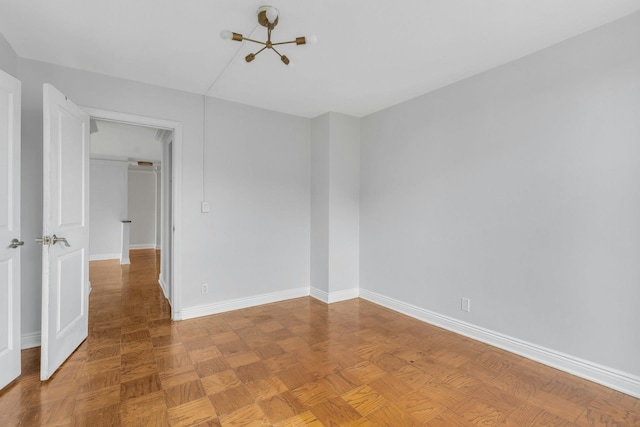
point(344, 203)
point(335, 168)
point(8, 57)
point(143, 206)
point(255, 240)
point(158, 241)
point(108, 207)
point(166, 219)
point(519, 189)
point(320, 138)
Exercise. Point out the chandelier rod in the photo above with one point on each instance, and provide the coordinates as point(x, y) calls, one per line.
point(256, 54)
point(276, 52)
point(255, 41)
point(289, 42)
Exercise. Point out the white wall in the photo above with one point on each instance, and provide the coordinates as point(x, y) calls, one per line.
point(142, 208)
point(335, 207)
point(344, 217)
point(517, 188)
point(8, 57)
point(158, 241)
point(166, 219)
point(108, 207)
point(255, 240)
point(320, 142)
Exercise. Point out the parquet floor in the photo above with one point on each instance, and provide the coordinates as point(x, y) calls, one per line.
point(298, 362)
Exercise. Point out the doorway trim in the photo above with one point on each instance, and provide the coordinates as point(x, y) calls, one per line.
point(176, 193)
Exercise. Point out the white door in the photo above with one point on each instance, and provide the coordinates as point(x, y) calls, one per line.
point(65, 248)
point(9, 228)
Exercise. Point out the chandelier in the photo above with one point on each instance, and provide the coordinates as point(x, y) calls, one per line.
point(267, 17)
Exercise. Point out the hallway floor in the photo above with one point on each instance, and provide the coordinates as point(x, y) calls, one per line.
point(298, 362)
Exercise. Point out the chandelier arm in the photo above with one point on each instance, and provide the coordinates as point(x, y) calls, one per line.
point(276, 44)
point(268, 34)
point(254, 41)
point(278, 53)
point(256, 54)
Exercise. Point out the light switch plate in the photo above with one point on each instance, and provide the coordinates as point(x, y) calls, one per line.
point(205, 207)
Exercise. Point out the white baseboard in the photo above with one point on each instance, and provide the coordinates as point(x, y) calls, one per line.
point(332, 297)
point(142, 246)
point(236, 304)
point(319, 295)
point(30, 340)
point(103, 257)
point(609, 377)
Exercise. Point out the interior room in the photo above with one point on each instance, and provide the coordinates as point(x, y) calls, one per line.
point(424, 212)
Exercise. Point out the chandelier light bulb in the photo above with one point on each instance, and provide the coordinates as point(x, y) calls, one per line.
point(226, 34)
point(311, 39)
point(272, 14)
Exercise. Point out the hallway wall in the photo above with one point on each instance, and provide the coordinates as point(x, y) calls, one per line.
point(8, 57)
point(108, 206)
point(143, 207)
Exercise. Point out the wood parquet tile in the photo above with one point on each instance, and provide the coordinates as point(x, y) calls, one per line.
point(293, 363)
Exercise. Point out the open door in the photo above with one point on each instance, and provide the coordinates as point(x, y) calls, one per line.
point(9, 228)
point(65, 241)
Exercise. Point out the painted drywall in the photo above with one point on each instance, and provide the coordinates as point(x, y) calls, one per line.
point(256, 237)
point(517, 188)
point(335, 166)
point(158, 209)
point(344, 213)
point(8, 57)
point(108, 207)
point(320, 141)
point(142, 208)
point(166, 221)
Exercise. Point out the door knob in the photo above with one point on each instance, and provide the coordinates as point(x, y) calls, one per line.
point(55, 239)
point(15, 243)
point(52, 240)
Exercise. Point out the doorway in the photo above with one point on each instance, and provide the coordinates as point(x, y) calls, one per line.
point(169, 134)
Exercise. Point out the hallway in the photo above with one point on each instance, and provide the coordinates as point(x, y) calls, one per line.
point(297, 362)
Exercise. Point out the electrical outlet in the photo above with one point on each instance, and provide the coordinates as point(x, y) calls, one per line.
point(205, 288)
point(466, 305)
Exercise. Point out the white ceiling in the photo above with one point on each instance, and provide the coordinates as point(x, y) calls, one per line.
point(120, 141)
point(371, 53)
